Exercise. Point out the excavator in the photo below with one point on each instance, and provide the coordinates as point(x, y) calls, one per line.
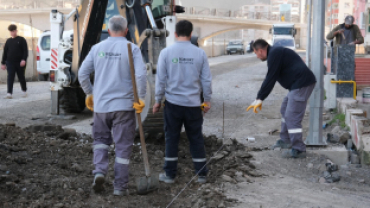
point(151, 25)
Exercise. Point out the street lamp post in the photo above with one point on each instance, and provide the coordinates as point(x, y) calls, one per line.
point(315, 135)
point(308, 44)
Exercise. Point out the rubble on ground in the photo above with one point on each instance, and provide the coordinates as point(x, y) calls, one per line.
point(48, 166)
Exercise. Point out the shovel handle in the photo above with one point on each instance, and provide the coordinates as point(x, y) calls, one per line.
point(138, 116)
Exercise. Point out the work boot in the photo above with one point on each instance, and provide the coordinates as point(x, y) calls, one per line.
point(164, 178)
point(8, 96)
point(98, 182)
point(283, 145)
point(293, 153)
point(202, 179)
point(121, 192)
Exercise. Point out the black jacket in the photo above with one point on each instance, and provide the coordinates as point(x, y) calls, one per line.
point(286, 67)
point(15, 50)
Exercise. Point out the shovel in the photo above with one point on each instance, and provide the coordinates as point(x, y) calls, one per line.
point(147, 183)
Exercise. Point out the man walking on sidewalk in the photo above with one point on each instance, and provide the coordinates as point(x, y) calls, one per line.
point(286, 67)
point(182, 74)
point(112, 102)
point(14, 60)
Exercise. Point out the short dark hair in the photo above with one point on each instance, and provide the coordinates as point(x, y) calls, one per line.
point(184, 28)
point(12, 27)
point(260, 43)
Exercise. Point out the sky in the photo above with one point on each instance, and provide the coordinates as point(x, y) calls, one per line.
point(220, 4)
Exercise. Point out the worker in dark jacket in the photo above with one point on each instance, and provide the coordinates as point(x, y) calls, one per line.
point(286, 67)
point(14, 60)
point(346, 33)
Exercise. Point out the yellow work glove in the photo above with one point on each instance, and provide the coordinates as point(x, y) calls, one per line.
point(139, 106)
point(256, 104)
point(90, 102)
point(203, 105)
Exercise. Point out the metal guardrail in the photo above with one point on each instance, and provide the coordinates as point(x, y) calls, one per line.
point(37, 4)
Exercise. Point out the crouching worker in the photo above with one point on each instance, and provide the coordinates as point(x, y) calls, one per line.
point(182, 74)
point(112, 102)
point(286, 67)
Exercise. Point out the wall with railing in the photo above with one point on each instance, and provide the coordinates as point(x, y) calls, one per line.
point(37, 4)
point(242, 14)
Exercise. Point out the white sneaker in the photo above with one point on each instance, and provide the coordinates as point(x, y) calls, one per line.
point(164, 178)
point(24, 94)
point(8, 96)
point(98, 182)
point(202, 179)
point(121, 192)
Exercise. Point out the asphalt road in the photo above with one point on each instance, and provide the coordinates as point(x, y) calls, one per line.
point(36, 108)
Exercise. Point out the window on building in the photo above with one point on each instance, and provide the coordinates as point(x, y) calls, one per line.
point(346, 5)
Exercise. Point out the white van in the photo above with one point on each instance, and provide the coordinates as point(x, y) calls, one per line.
point(43, 54)
point(284, 41)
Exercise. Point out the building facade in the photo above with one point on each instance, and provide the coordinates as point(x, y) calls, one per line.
point(257, 11)
point(286, 10)
point(359, 8)
point(337, 10)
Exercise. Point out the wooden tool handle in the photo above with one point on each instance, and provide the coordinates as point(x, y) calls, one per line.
point(138, 116)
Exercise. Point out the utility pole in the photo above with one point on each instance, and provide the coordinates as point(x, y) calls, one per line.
point(308, 44)
point(315, 135)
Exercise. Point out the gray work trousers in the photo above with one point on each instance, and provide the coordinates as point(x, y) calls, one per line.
point(292, 111)
point(122, 124)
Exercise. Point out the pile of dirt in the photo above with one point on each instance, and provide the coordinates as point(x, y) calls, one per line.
point(47, 166)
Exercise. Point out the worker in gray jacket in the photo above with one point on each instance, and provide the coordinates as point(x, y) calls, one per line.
point(113, 102)
point(182, 74)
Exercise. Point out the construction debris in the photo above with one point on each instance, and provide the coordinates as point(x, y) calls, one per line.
point(47, 166)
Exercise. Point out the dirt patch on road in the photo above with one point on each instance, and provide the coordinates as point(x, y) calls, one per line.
point(46, 166)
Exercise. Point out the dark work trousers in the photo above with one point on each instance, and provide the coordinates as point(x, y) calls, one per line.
point(15, 68)
point(192, 118)
point(292, 110)
point(123, 125)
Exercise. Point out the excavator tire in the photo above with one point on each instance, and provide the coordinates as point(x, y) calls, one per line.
point(72, 100)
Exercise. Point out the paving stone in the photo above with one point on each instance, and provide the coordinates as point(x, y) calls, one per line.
point(355, 159)
point(10, 124)
point(322, 180)
point(361, 180)
point(309, 165)
point(338, 154)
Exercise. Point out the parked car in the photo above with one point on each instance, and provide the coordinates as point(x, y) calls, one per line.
point(249, 48)
point(43, 54)
point(284, 41)
point(235, 47)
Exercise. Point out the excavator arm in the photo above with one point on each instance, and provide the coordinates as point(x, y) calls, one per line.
point(151, 25)
point(91, 24)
